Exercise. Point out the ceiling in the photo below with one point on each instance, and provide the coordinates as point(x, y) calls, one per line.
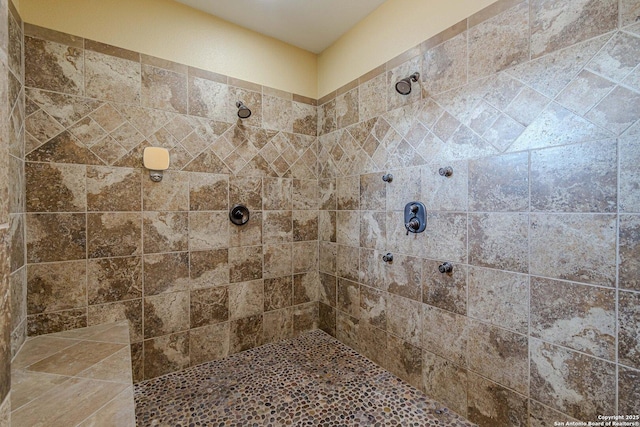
point(312, 25)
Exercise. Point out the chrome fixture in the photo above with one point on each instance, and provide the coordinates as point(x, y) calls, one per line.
point(447, 172)
point(445, 267)
point(388, 257)
point(243, 111)
point(403, 87)
point(415, 217)
point(387, 178)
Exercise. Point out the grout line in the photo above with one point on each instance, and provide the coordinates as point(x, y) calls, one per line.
point(108, 402)
point(617, 283)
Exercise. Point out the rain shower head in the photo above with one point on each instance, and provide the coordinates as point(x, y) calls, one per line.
point(243, 111)
point(403, 87)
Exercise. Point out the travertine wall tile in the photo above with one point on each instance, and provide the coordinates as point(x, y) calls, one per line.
point(209, 268)
point(499, 355)
point(580, 248)
point(373, 307)
point(404, 360)
point(246, 299)
point(245, 333)
point(55, 187)
point(56, 237)
point(499, 42)
point(165, 273)
point(562, 160)
point(278, 293)
point(556, 25)
point(618, 57)
point(542, 416)
point(445, 381)
point(245, 264)
point(499, 240)
point(577, 178)
point(165, 232)
point(445, 193)
point(628, 394)
point(208, 192)
point(114, 234)
point(629, 325)
point(208, 343)
point(500, 298)
point(305, 318)
point(56, 286)
point(53, 66)
point(629, 252)
point(494, 405)
point(444, 67)
point(163, 89)
point(571, 382)
point(551, 73)
point(47, 323)
point(278, 325)
point(584, 92)
point(112, 78)
point(367, 130)
point(507, 190)
point(577, 316)
point(277, 226)
point(347, 111)
point(306, 287)
point(445, 334)
point(165, 314)
point(166, 354)
point(373, 100)
point(113, 189)
point(114, 279)
point(446, 291)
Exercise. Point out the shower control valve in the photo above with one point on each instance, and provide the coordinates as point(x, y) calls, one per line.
point(445, 267)
point(388, 257)
point(415, 217)
point(413, 225)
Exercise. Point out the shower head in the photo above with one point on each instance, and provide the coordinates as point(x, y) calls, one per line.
point(403, 87)
point(243, 111)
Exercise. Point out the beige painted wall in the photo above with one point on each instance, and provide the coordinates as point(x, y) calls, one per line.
point(173, 31)
point(397, 25)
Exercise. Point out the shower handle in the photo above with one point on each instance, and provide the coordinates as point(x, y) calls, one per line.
point(413, 225)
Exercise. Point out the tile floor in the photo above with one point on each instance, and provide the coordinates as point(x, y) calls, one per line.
point(75, 378)
point(311, 380)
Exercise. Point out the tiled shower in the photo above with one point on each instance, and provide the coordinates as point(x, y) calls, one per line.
point(534, 105)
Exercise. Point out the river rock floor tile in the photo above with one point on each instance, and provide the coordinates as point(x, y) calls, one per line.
point(311, 380)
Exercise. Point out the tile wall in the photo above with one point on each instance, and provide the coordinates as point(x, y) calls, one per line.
point(535, 106)
point(105, 243)
point(12, 270)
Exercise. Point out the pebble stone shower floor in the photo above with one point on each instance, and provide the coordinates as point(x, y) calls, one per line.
point(311, 380)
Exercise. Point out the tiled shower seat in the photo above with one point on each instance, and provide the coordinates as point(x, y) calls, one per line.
point(75, 378)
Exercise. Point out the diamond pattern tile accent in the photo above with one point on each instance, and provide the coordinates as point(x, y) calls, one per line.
point(116, 134)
